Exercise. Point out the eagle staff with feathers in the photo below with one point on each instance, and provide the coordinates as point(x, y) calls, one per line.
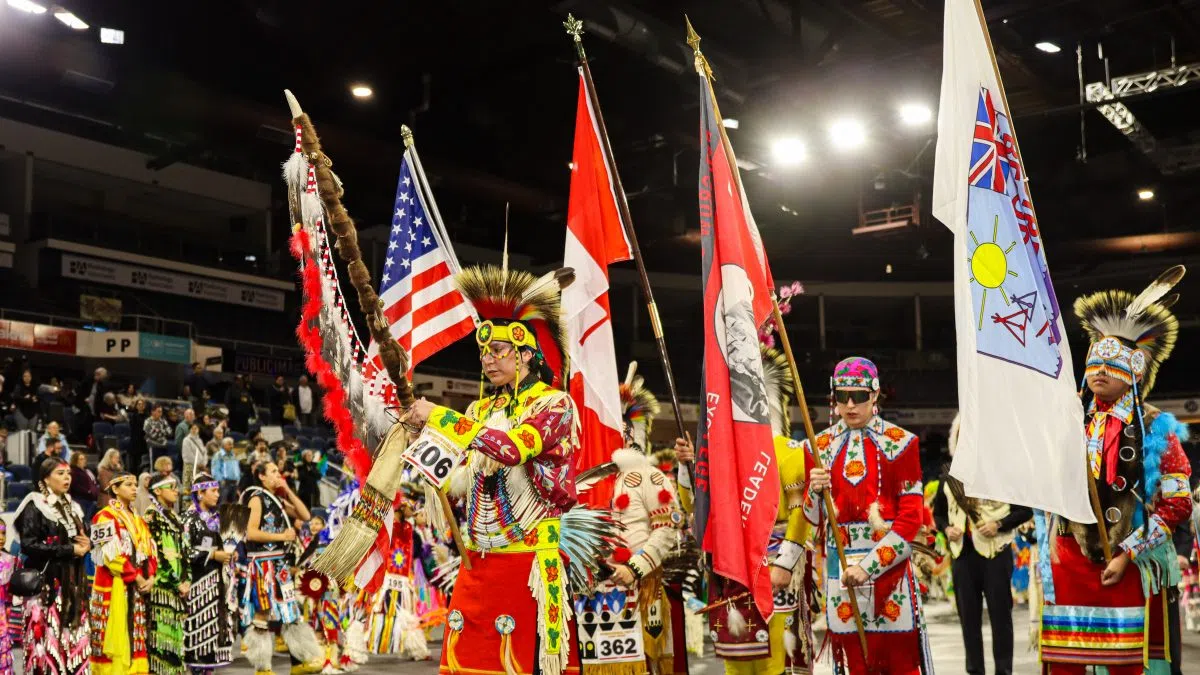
point(508, 456)
point(1107, 587)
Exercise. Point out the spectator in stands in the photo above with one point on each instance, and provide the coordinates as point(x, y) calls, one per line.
point(218, 437)
point(306, 403)
point(309, 478)
point(52, 450)
point(49, 394)
point(99, 387)
point(184, 428)
point(108, 410)
point(163, 466)
point(196, 388)
point(240, 404)
point(26, 409)
point(283, 460)
point(84, 489)
point(52, 433)
point(206, 427)
point(137, 432)
point(3, 445)
point(158, 432)
point(108, 467)
point(227, 471)
point(193, 454)
point(278, 396)
point(128, 396)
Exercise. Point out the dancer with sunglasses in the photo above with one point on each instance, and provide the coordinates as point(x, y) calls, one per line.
point(873, 469)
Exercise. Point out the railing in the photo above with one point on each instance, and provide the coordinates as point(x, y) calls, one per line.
point(268, 348)
point(141, 323)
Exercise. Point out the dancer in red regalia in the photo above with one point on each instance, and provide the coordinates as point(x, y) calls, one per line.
point(874, 471)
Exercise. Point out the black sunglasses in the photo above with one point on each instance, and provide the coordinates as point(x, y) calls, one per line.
point(855, 396)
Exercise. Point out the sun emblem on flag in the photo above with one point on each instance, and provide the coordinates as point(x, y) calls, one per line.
point(989, 267)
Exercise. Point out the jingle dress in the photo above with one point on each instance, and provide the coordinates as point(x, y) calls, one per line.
point(168, 607)
point(210, 629)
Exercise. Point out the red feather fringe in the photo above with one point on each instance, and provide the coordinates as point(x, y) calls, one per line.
point(358, 457)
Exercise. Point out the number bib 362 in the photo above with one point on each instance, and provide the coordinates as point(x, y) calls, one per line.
point(610, 626)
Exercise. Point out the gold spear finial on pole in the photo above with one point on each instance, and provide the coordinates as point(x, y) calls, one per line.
point(693, 39)
point(407, 135)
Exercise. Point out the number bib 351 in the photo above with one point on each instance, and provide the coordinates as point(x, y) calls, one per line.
point(610, 626)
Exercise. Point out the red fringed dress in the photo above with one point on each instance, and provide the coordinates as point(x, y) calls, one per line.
point(874, 470)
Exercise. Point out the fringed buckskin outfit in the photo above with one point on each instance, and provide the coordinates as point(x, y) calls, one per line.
point(877, 491)
point(1141, 476)
point(646, 635)
point(785, 642)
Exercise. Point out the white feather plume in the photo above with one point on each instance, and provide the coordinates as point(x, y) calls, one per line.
point(1155, 291)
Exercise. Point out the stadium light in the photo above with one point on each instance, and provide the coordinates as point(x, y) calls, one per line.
point(361, 91)
point(847, 134)
point(789, 151)
point(730, 123)
point(70, 20)
point(27, 6)
point(1145, 194)
point(112, 36)
point(915, 114)
point(1048, 47)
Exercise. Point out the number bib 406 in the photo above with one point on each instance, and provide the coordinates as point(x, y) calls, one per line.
point(434, 456)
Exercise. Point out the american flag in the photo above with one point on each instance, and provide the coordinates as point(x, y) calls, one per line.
point(422, 306)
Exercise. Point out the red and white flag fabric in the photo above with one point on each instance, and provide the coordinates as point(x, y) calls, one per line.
point(595, 239)
point(423, 308)
point(737, 480)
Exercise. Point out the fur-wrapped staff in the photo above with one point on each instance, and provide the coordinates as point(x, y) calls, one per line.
point(334, 351)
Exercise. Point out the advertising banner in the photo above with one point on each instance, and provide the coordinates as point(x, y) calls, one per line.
point(164, 281)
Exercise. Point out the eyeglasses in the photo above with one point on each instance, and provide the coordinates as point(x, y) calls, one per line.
point(855, 396)
point(495, 353)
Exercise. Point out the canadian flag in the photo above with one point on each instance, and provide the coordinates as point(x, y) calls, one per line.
point(595, 239)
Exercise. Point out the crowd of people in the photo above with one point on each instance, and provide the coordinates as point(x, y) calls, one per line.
point(171, 578)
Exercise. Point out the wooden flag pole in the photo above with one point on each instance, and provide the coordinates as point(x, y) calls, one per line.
point(575, 30)
point(830, 511)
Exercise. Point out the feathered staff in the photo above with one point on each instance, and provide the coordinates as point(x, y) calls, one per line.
point(332, 349)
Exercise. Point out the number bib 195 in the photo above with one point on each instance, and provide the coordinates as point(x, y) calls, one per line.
point(434, 456)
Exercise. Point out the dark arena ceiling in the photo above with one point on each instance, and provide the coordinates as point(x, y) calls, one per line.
point(490, 90)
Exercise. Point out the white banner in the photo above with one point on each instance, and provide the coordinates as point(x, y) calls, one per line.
point(111, 344)
point(163, 281)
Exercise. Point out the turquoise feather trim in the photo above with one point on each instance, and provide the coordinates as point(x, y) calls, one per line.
point(1154, 446)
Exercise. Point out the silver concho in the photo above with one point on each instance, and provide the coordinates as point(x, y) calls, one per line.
point(505, 624)
point(762, 635)
point(455, 620)
point(1127, 453)
point(1119, 484)
point(1112, 514)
